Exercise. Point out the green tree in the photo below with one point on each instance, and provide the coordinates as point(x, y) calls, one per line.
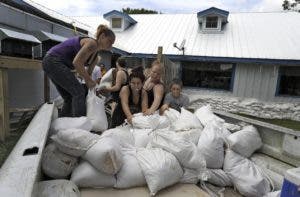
point(138, 11)
point(293, 5)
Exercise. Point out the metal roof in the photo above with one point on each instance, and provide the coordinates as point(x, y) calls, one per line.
point(6, 33)
point(213, 10)
point(273, 35)
point(43, 36)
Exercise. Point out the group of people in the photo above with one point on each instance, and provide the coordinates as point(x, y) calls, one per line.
point(131, 92)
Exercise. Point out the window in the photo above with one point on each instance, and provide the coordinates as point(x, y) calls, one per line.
point(211, 22)
point(116, 22)
point(208, 75)
point(289, 81)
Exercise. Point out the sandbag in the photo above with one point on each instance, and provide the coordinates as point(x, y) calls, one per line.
point(140, 121)
point(246, 176)
point(163, 123)
point(130, 174)
point(95, 111)
point(187, 153)
point(160, 168)
point(55, 188)
point(218, 177)
point(106, 80)
point(211, 146)
point(273, 194)
point(232, 127)
point(186, 121)
point(56, 164)
point(74, 142)
point(85, 175)
point(122, 134)
point(189, 176)
point(105, 155)
point(245, 141)
point(172, 114)
point(191, 135)
point(206, 115)
point(141, 137)
point(70, 123)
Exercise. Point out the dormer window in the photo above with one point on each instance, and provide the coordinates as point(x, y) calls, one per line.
point(116, 23)
point(119, 21)
point(211, 22)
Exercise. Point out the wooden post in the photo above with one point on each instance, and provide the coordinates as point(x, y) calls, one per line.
point(46, 89)
point(159, 53)
point(4, 109)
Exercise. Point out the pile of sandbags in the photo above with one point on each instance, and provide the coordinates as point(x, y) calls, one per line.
point(159, 151)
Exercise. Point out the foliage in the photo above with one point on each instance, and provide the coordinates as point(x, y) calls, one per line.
point(138, 11)
point(291, 5)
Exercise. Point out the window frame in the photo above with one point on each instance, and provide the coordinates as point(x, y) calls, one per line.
point(279, 80)
point(121, 22)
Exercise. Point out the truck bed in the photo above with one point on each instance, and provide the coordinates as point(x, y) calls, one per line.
point(22, 169)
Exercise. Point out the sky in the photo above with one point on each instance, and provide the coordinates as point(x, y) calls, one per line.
point(100, 7)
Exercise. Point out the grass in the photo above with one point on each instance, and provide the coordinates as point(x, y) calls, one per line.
point(291, 124)
point(9, 143)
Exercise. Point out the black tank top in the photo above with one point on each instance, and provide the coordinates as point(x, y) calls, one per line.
point(115, 95)
point(150, 95)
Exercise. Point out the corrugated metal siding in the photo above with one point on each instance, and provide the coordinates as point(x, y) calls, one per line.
point(256, 81)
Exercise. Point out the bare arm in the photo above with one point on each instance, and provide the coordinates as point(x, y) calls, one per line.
point(124, 95)
point(158, 91)
point(144, 100)
point(88, 48)
point(92, 66)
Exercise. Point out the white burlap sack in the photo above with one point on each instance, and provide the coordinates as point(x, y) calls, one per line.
point(85, 175)
point(189, 176)
point(160, 168)
point(211, 146)
point(70, 123)
point(106, 80)
point(122, 134)
point(191, 135)
point(163, 123)
point(273, 194)
point(218, 177)
point(55, 188)
point(130, 174)
point(186, 121)
point(141, 137)
point(172, 114)
point(95, 111)
point(74, 142)
point(246, 176)
point(187, 153)
point(139, 121)
point(245, 141)
point(206, 115)
point(56, 164)
point(105, 155)
point(232, 127)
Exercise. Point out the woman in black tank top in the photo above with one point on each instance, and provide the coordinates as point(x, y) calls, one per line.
point(120, 79)
point(154, 88)
point(132, 99)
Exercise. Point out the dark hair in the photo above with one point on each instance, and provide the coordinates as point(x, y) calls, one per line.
point(177, 82)
point(137, 72)
point(122, 62)
point(107, 32)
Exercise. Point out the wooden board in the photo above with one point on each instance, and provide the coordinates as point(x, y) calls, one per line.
point(19, 63)
point(178, 190)
point(4, 108)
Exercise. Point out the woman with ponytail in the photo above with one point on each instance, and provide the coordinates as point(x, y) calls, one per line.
point(76, 53)
point(133, 99)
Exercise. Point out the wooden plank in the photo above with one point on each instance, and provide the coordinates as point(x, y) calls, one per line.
point(19, 63)
point(178, 190)
point(4, 109)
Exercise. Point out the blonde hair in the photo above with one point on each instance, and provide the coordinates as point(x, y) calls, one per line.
point(104, 29)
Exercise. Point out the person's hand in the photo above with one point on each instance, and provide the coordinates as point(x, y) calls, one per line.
point(90, 84)
point(129, 119)
point(148, 112)
point(103, 91)
point(163, 109)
